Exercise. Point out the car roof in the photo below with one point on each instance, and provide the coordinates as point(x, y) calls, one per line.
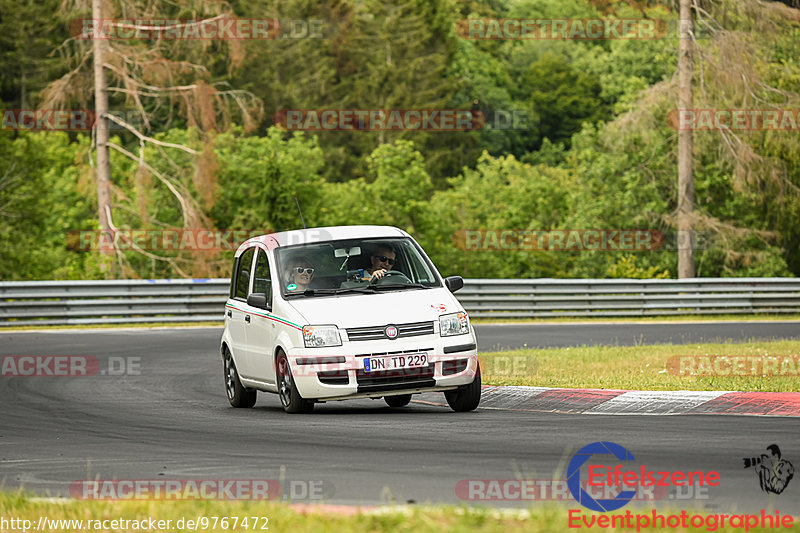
point(314, 235)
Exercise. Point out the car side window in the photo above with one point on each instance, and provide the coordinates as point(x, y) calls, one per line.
point(243, 274)
point(419, 270)
point(232, 290)
point(262, 282)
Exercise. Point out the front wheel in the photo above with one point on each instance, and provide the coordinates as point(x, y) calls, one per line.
point(238, 395)
point(467, 397)
point(291, 400)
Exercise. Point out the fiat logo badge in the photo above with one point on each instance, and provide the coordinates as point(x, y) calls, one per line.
point(391, 332)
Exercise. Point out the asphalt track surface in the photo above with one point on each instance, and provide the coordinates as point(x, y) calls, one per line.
point(172, 421)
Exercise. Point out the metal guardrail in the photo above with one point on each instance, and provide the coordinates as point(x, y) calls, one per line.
point(30, 303)
point(27, 303)
point(629, 297)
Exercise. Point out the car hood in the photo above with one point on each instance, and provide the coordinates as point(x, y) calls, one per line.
point(382, 308)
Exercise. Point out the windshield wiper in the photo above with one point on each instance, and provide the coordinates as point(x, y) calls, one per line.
point(367, 289)
point(312, 292)
point(364, 290)
point(322, 292)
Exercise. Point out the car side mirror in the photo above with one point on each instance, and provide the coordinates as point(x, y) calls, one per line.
point(258, 299)
point(453, 283)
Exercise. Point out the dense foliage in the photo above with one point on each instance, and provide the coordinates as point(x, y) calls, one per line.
point(590, 144)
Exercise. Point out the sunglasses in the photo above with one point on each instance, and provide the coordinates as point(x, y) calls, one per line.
point(384, 259)
point(308, 271)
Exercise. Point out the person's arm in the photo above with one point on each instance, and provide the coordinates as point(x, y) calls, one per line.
point(378, 274)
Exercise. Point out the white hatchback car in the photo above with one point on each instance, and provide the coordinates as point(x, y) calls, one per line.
point(309, 319)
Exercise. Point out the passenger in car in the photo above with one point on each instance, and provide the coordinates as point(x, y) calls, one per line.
point(299, 275)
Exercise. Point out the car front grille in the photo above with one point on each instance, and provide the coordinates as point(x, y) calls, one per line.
point(372, 333)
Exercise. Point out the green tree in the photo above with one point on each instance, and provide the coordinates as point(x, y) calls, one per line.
point(499, 194)
point(42, 203)
point(396, 191)
point(260, 177)
point(562, 98)
point(29, 35)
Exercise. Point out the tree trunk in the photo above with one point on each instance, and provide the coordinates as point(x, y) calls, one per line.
point(685, 156)
point(102, 135)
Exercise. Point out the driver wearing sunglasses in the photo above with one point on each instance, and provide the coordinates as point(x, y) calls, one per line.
point(300, 273)
point(382, 260)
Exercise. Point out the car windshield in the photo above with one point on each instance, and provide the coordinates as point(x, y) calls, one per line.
point(347, 267)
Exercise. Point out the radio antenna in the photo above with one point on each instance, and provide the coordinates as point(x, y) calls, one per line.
point(301, 212)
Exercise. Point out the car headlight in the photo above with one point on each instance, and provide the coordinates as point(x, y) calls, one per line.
point(453, 324)
point(321, 336)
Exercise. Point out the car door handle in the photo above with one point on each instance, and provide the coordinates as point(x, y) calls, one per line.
point(247, 318)
point(229, 313)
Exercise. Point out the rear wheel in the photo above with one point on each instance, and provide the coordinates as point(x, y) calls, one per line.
point(467, 397)
point(397, 401)
point(291, 400)
point(238, 395)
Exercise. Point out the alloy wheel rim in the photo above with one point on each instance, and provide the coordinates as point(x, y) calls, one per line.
point(286, 382)
point(231, 376)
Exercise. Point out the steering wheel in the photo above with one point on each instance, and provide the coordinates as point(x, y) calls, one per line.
point(390, 273)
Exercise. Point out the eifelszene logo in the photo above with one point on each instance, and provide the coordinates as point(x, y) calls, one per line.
point(773, 472)
point(601, 475)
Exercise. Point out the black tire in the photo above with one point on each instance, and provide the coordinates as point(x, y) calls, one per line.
point(290, 397)
point(397, 401)
point(467, 397)
point(238, 395)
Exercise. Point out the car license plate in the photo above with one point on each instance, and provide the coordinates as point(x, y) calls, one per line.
point(394, 362)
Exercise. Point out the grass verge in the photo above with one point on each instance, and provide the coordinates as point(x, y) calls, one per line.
point(283, 517)
point(655, 367)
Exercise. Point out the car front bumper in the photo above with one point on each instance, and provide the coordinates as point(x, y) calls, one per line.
point(338, 373)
